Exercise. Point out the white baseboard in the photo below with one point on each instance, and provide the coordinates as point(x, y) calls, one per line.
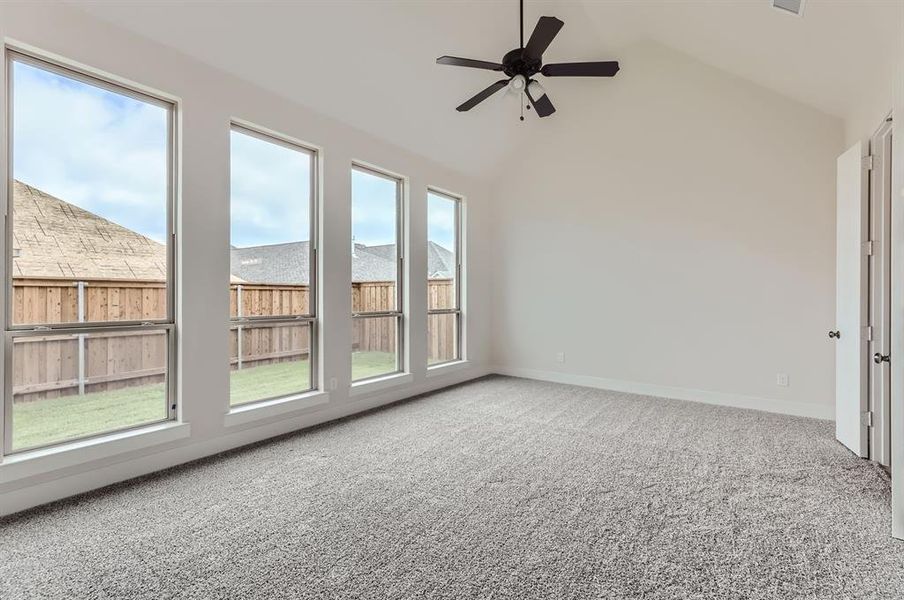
point(785, 407)
point(44, 491)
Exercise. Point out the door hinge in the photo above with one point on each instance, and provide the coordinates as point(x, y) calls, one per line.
point(868, 248)
point(866, 418)
point(867, 333)
point(868, 162)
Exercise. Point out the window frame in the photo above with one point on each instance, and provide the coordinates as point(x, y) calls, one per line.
point(12, 331)
point(457, 310)
point(169, 381)
point(399, 312)
point(311, 317)
point(118, 88)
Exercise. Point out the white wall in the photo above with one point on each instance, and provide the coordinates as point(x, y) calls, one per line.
point(865, 120)
point(208, 99)
point(875, 102)
point(673, 233)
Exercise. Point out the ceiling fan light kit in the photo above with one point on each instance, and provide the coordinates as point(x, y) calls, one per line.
point(521, 64)
point(517, 84)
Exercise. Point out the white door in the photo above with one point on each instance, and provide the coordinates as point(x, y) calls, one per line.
point(851, 300)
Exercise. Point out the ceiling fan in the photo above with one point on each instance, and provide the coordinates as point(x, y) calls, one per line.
point(521, 64)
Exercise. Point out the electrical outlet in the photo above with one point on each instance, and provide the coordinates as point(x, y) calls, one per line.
point(334, 383)
point(782, 379)
point(560, 357)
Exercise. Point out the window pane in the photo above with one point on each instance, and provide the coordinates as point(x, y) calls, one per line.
point(270, 216)
point(374, 237)
point(72, 386)
point(269, 361)
point(442, 245)
point(90, 198)
point(442, 338)
point(374, 346)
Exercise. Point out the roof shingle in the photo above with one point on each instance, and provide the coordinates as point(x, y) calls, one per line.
point(53, 238)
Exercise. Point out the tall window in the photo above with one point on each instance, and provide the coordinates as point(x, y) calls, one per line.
point(272, 285)
point(376, 274)
point(89, 312)
point(443, 275)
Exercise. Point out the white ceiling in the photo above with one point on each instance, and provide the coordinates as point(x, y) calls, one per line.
point(371, 64)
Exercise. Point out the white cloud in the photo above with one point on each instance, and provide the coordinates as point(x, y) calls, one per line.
point(102, 151)
point(441, 221)
point(373, 209)
point(270, 192)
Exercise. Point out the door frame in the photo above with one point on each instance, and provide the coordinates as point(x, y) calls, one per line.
point(880, 281)
point(897, 306)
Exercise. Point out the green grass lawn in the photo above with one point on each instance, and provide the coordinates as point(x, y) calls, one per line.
point(268, 381)
point(43, 422)
point(371, 364)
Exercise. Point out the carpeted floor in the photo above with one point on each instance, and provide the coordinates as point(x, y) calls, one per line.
point(500, 488)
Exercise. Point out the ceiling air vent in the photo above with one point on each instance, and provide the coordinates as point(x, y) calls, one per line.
point(795, 7)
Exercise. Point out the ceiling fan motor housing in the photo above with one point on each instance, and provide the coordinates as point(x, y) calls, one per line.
point(514, 63)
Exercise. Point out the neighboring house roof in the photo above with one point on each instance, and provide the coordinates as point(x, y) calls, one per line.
point(374, 263)
point(440, 262)
point(53, 238)
point(384, 251)
point(285, 264)
point(288, 263)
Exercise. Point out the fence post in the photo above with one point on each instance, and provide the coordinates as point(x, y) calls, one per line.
point(239, 310)
point(81, 338)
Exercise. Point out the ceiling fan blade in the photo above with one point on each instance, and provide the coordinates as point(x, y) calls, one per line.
point(541, 38)
point(468, 62)
point(481, 96)
point(543, 105)
point(581, 69)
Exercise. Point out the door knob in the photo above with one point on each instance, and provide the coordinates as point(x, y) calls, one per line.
point(835, 334)
point(880, 358)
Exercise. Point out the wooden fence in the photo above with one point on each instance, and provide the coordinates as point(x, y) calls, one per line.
point(53, 365)
point(61, 365)
point(374, 334)
point(57, 301)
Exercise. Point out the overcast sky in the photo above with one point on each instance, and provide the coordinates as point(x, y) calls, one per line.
point(106, 153)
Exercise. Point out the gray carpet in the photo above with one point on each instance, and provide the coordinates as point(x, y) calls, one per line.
point(500, 488)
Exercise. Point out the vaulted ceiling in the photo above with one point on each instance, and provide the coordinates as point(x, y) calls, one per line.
point(371, 64)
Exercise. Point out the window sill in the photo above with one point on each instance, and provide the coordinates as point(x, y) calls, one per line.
point(449, 367)
point(380, 383)
point(256, 411)
point(45, 460)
